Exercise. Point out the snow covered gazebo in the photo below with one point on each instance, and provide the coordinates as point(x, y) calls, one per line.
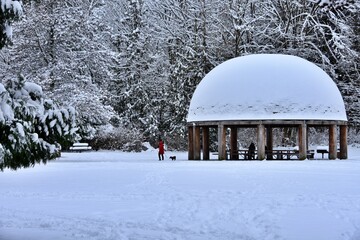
point(264, 91)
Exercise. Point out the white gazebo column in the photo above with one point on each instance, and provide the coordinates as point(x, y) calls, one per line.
point(222, 142)
point(261, 142)
point(206, 142)
point(302, 133)
point(190, 143)
point(332, 142)
point(343, 142)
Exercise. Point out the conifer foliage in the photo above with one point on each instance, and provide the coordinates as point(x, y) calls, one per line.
point(9, 11)
point(32, 128)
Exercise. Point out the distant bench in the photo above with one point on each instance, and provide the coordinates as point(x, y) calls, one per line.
point(79, 147)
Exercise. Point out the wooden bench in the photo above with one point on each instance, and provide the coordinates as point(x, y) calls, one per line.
point(79, 147)
point(288, 154)
point(241, 153)
point(246, 155)
point(323, 150)
point(280, 154)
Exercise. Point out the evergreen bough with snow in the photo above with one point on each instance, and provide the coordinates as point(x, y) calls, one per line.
point(9, 11)
point(32, 128)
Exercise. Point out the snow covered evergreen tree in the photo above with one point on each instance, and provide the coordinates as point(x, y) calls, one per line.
point(237, 24)
point(334, 5)
point(185, 34)
point(32, 127)
point(340, 48)
point(9, 12)
point(67, 54)
point(134, 90)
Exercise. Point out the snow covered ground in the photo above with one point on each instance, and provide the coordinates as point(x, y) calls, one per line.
point(113, 195)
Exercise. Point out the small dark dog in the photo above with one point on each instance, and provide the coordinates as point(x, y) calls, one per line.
point(173, 158)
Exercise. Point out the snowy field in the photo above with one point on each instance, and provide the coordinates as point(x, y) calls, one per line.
point(115, 196)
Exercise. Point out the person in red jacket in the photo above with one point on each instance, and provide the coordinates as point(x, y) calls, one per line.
point(161, 149)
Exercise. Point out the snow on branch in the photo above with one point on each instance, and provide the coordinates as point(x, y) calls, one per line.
point(9, 11)
point(329, 5)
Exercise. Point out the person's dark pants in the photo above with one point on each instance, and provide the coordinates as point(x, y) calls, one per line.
point(161, 156)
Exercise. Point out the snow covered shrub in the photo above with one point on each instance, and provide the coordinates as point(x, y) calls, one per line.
point(134, 146)
point(32, 127)
point(119, 138)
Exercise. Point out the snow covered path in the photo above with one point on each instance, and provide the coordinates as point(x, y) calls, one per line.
point(114, 195)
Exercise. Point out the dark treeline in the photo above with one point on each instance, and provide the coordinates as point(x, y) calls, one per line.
point(129, 67)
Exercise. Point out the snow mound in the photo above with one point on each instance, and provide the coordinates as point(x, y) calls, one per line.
point(267, 87)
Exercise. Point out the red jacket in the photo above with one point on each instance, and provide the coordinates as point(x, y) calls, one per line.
point(161, 147)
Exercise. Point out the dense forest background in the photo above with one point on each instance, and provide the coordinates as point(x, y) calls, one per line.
point(129, 67)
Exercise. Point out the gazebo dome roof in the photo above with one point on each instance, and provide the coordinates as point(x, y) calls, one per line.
point(266, 87)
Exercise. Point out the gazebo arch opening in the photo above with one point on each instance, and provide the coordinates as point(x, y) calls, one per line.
point(268, 93)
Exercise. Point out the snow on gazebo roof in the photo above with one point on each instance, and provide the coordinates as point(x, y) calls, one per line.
point(266, 87)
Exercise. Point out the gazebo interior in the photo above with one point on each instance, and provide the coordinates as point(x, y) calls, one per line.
point(228, 149)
